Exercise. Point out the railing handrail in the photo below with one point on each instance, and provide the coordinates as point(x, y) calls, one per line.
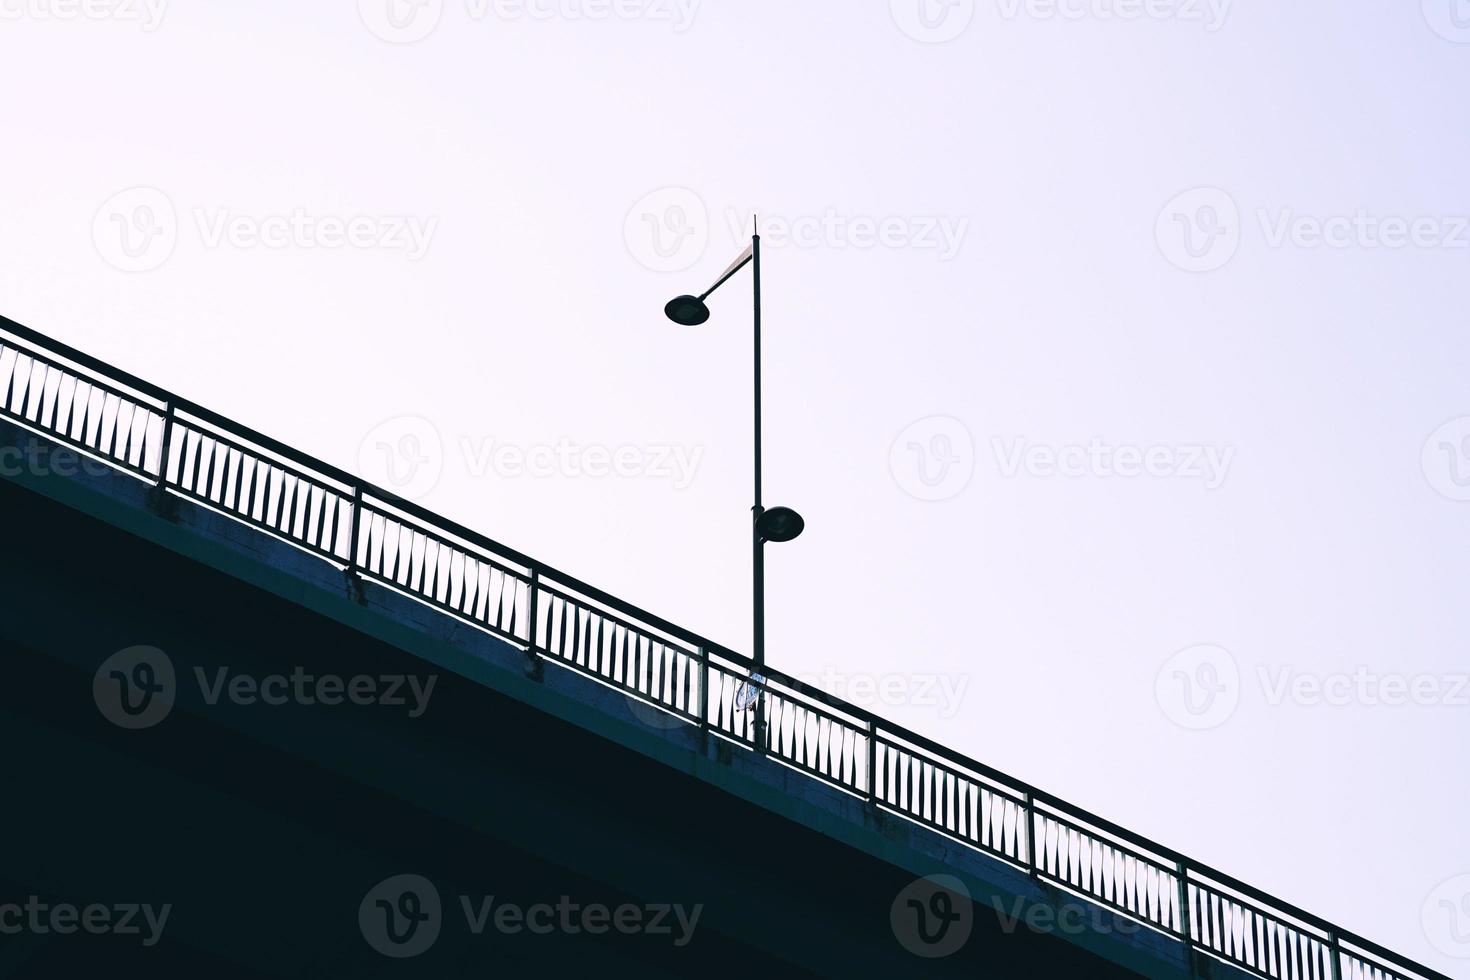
point(179, 403)
point(702, 648)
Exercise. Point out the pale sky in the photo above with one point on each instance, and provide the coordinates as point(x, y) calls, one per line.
point(1115, 351)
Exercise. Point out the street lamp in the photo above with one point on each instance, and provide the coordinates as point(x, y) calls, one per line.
point(778, 523)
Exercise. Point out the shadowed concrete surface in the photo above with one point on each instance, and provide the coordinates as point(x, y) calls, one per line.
point(509, 784)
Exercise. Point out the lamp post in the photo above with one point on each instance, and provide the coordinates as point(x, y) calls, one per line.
point(777, 523)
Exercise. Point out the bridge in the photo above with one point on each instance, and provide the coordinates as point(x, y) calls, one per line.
point(521, 737)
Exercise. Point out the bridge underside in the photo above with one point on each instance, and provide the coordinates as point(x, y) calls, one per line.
point(264, 826)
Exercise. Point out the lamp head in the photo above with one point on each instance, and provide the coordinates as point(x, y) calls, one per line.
point(780, 524)
point(687, 310)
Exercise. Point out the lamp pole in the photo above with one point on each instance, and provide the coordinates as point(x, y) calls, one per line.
point(757, 545)
point(778, 523)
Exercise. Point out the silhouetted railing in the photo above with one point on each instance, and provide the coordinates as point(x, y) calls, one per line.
point(190, 451)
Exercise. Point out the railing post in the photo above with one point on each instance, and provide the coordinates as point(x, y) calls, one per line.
point(531, 611)
point(534, 665)
point(703, 688)
point(1185, 932)
point(356, 524)
point(1335, 951)
point(353, 571)
point(1033, 867)
point(759, 734)
point(168, 436)
point(872, 763)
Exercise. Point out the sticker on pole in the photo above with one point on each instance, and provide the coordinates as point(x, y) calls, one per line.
point(749, 693)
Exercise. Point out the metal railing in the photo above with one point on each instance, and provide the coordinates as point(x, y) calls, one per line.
point(187, 450)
